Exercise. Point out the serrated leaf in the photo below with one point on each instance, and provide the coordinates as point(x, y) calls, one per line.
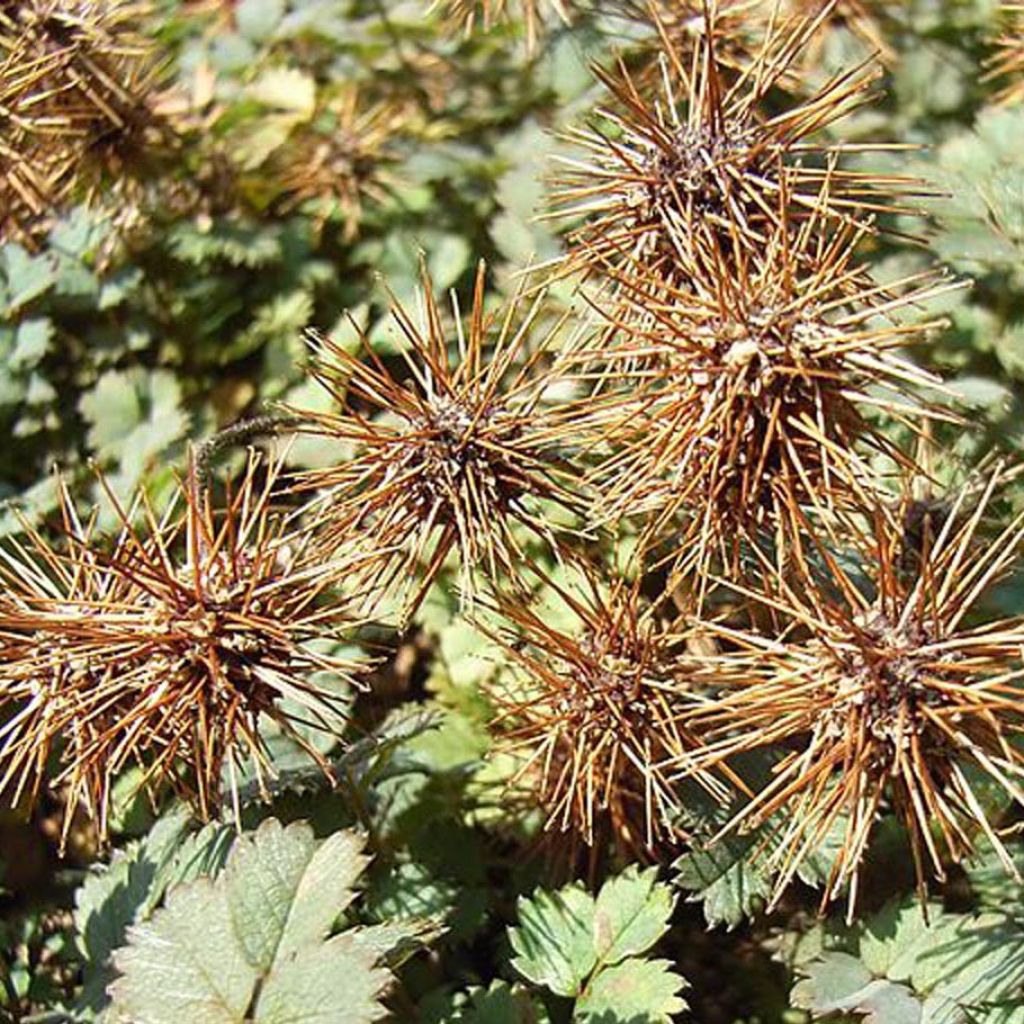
point(333, 983)
point(250, 945)
point(186, 964)
point(500, 1004)
point(26, 277)
point(285, 891)
point(632, 992)
point(725, 878)
point(631, 914)
point(554, 940)
point(840, 983)
point(948, 969)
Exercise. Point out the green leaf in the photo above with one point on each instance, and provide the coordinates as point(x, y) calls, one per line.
point(335, 982)
point(187, 964)
point(631, 914)
point(31, 341)
point(725, 879)
point(257, 19)
point(554, 942)
point(26, 277)
point(285, 892)
point(499, 1004)
point(900, 967)
point(252, 945)
point(134, 416)
point(632, 992)
point(839, 982)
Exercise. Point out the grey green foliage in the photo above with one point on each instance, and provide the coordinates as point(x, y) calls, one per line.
point(592, 949)
point(911, 965)
point(256, 944)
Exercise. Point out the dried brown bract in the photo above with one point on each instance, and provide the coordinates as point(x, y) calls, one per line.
point(593, 715)
point(341, 161)
point(168, 651)
point(467, 14)
point(451, 448)
point(683, 25)
point(863, 18)
point(749, 395)
point(704, 165)
point(1007, 63)
point(884, 691)
point(78, 98)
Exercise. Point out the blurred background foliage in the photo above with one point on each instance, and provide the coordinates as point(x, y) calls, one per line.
point(314, 148)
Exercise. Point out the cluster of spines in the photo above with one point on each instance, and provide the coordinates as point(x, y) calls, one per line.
point(724, 400)
point(78, 103)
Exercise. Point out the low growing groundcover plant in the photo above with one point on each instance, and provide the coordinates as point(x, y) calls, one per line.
point(513, 511)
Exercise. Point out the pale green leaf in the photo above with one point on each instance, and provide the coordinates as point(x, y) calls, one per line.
point(285, 891)
point(632, 992)
point(257, 19)
point(631, 914)
point(331, 983)
point(554, 942)
point(186, 964)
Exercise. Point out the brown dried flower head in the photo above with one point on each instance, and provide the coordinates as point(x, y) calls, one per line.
point(78, 99)
point(467, 14)
point(166, 652)
point(747, 397)
point(886, 696)
point(341, 161)
point(1007, 63)
point(705, 164)
point(593, 715)
point(450, 449)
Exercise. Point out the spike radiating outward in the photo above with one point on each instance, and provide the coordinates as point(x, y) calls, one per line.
point(1007, 63)
point(467, 14)
point(704, 165)
point(449, 452)
point(746, 398)
point(594, 715)
point(345, 164)
point(863, 18)
point(166, 652)
point(882, 691)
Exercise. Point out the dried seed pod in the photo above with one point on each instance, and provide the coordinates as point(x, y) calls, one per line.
point(704, 165)
point(450, 452)
point(593, 716)
point(166, 652)
point(78, 99)
point(862, 18)
point(341, 160)
point(883, 692)
point(1007, 63)
point(747, 397)
point(467, 14)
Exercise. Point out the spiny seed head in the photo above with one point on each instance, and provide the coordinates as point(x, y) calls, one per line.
point(340, 161)
point(467, 14)
point(78, 100)
point(683, 26)
point(449, 450)
point(593, 715)
point(885, 696)
point(704, 165)
point(863, 18)
point(1007, 63)
point(746, 397)
point(165, 652)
